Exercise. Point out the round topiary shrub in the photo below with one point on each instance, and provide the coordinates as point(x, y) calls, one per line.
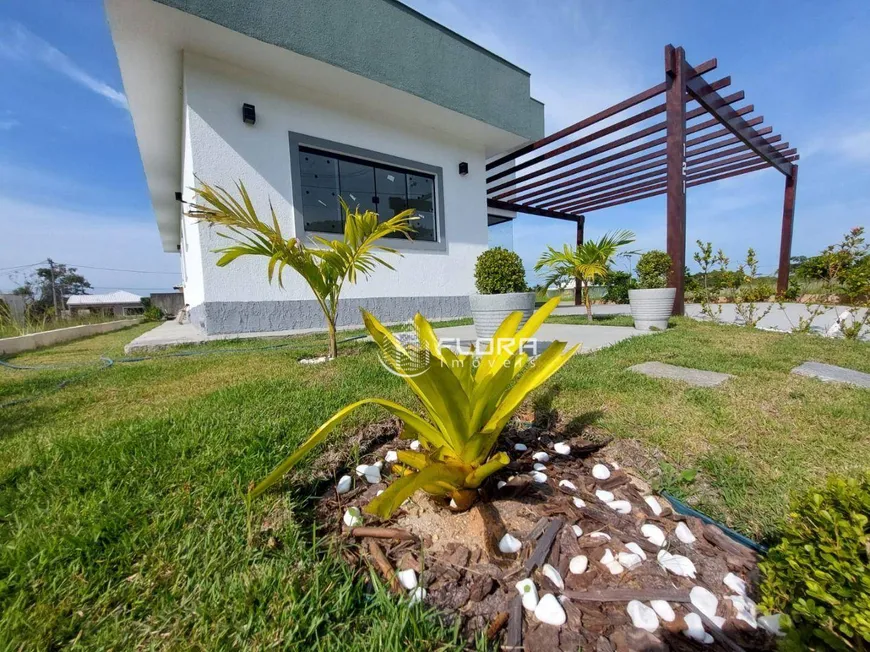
point(819, 574)
point(652, 270)
point(499, 271)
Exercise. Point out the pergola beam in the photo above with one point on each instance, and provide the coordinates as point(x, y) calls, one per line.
point(708, 98)
point(675, 74)
point(787, 231)
point(542, 212)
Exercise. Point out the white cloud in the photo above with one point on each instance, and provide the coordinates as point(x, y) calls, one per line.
point(7, 124)
point(20, 44)
point(34, 231)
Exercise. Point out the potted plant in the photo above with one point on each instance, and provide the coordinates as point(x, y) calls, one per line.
point(653, 303)
point(588, 263)
point(500, 279)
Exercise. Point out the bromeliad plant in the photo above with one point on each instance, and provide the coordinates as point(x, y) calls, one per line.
point(467, 399)
point(325, 266)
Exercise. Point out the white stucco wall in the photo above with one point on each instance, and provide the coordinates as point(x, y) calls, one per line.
point(191, 243)
point(220, 149)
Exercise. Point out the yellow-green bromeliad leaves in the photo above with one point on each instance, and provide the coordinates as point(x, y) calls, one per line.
point(467, 400)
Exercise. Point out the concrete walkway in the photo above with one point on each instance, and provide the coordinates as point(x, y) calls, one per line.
point(591, 338)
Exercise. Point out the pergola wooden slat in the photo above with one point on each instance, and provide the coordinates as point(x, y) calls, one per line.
point(729, 142)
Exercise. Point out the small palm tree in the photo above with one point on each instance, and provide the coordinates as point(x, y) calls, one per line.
point(325, 266)
point(587, 263)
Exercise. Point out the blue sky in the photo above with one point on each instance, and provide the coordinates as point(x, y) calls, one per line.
point(72, 186)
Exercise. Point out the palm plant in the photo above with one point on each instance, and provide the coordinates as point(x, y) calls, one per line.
point(324, 267)
point(588, 263)
point(468, 401)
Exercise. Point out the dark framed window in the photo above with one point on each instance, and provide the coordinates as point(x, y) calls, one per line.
point(385, 189)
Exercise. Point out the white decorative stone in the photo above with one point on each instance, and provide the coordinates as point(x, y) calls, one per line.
point(601, 536)
point(500, 484)
point(353, 517)
point(611, 563)
point(654, 505)
point(695, 629)
point(636, 549)
point(735, 583)
point(676, 564)
point(418, 595)
point(541, 456)
point(562, 448)
point(578, 531)
point(600, 472)
point(408, 578)
point(539, 477)
point(392, 456)
point(653, 534)
point(344, 484)
point(772, 624)
point(745, 608)
point(552, 574)
point(578, 564)
point(453, 504)
point(579, 503)
point(704, 600)
point(521, 448)
point(509, 544)
point(684, 534)
point(549, 611)
point(568, 485)
point(628, 559)
point(621, 506)
point(380, 491)
point(529, 593)
point(604, 496)
point(370, 472)
point(537, 466)
point(415, 445)
point(664, 610)
point(642, 616)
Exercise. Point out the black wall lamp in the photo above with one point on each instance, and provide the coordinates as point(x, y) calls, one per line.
point(249, 114)
point(463, 168)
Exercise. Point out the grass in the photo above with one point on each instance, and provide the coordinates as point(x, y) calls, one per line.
point(121, 516)
point(597, 320)
point(11, 328)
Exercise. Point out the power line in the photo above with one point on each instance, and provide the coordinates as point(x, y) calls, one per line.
point(5, 269)
point(112, 269)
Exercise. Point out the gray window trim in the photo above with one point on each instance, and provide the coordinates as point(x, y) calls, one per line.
point(402, 244)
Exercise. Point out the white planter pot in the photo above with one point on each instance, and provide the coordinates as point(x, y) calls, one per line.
point(651, 309)
point(490, 310)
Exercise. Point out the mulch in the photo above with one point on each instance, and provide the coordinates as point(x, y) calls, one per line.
point(467, 577)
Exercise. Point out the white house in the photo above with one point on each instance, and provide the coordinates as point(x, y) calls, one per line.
point(118, 303)
point(364, 99)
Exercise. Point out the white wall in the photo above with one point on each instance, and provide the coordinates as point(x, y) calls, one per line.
point(220, 149)
point(191, 255)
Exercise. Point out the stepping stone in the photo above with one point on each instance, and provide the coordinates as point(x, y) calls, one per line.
point(829, 373)
point(695, 377)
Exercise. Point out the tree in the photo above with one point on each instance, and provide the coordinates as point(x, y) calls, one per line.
point(588, 262)
point(324, 267)
point(46, 287)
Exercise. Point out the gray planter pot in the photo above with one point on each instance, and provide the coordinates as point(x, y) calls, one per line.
point(651, 309)
point(490, 310)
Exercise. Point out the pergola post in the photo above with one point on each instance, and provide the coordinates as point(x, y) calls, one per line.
point(787, 231)
point(578, 294)
point(675, 154)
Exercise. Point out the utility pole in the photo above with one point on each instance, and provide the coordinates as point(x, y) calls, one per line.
point(53, 291)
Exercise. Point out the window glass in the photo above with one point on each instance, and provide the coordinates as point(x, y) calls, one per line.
point(357, 183)
point(421, 197)
point(367, 186)
point(320, 207)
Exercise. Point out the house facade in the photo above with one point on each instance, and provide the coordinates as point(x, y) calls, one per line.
point(306, 101)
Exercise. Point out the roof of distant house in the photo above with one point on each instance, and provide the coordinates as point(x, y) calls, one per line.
point(110, 299)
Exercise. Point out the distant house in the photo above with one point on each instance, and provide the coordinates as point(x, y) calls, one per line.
point(309, 101)
point(117, 303)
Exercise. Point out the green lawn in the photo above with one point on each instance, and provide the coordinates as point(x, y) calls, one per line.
point(122, 523)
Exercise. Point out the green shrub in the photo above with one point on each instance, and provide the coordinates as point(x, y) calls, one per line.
point(793, 291)
point(652, 269)
point(153, 313)
point(819, 574)
point(499, 271)
point(618, 284)
point(756, 292)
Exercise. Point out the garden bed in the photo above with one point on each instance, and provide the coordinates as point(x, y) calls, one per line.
point(460, 562)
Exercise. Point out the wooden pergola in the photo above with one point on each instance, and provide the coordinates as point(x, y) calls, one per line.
point(703, 138)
